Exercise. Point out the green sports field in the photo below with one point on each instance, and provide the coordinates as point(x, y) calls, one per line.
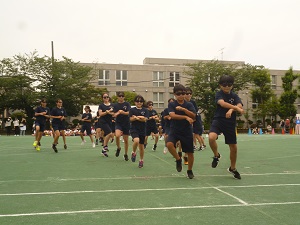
point(79, 186)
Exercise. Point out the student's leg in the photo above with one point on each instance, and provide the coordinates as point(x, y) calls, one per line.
point(135, 144)
point(64, 136)
point(190, 156)
point(172, 150)
point(233, 155)
point(126, 144)
point(141, 148)
point(118, 135)
point(212, 137)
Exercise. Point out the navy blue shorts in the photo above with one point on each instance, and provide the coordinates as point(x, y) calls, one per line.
point(186, 140)
point(150, 130)
point(226, 127)
point(41, 125)
point(123, 127)
point(86, 128)
point(106, 128)
point(58, 127)
point(135, 134)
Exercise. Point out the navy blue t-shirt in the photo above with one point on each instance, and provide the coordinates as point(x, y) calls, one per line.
point(58, 112)
point(122, 119)
point(87, 116)
point(230, 98)
point(151, 123)
point(181, 126)
point(106, 118)
point(136, 125)
point(42, 119)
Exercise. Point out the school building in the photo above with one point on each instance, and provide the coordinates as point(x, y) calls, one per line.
point(156, 77)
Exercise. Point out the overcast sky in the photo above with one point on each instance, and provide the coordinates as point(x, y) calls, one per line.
point(259, 32)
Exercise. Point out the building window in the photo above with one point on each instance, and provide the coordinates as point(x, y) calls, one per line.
point(121, 78)
point(158, 100)
point(158, 79)
point(274, 81)
point(174, 79)
point(103, 77)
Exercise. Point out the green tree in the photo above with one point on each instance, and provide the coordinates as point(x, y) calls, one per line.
point(287, 99)
point(262, 92)
point(204, 78)
point(16, 84)
point(27, 78)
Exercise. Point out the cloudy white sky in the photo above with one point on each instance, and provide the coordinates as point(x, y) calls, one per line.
point(259, 32)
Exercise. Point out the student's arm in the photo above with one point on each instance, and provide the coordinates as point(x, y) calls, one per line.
point(175, 116)
point(226, 105)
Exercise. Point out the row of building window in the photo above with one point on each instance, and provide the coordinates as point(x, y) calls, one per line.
point(158, 78)
point(121, 77)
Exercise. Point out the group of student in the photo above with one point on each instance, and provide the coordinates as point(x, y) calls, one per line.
point(57, 115)
point(182, 124)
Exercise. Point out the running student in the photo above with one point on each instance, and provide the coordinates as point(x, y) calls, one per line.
point(87, 125)
point(138, 117)
point(182, 115)
point(122, 123)
point(151, 126)
point(58, 115)
point(105, 122)
point(41, 113)
point(224, 121)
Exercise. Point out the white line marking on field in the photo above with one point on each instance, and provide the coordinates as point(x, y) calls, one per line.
point(146, 189)
point(238, 199)
point(146, 209)
point(57, 179)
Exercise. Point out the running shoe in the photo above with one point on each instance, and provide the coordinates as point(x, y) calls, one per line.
point(133, 157)
point(54, 148)
point(186, 162)
point(38, 148)
point(190, 174)
point(179, 165)
point(235, 173)
point(141, 164)
point(215, 161)
point(154, 147)
point(104, 153)
point(126, 157)
point(118, 152)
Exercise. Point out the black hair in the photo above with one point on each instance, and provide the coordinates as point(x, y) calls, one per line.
point(188, 89)
point(226, 79)
point(139, 98)
point(178, 87)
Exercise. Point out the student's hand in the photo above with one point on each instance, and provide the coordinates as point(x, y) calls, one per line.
point(228, 114)
point(241, 111)
point(189, 119)
point(179, 108)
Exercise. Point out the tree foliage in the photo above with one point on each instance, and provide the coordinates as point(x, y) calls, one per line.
point(262, 92)
point(204, 78)
point(287, 99)
point(24, 79)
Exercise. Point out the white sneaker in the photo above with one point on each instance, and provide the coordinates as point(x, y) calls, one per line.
point(94, 145)
point(82, 143)
point(165, 150)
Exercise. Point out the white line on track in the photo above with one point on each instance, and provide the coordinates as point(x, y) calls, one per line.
point(148, 189)
point(57, 179)
point(146, 209)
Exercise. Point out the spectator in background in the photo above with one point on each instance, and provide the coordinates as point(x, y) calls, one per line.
point(8, 126)
point(297, 128)
point(23, 126)
point(17, 126)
